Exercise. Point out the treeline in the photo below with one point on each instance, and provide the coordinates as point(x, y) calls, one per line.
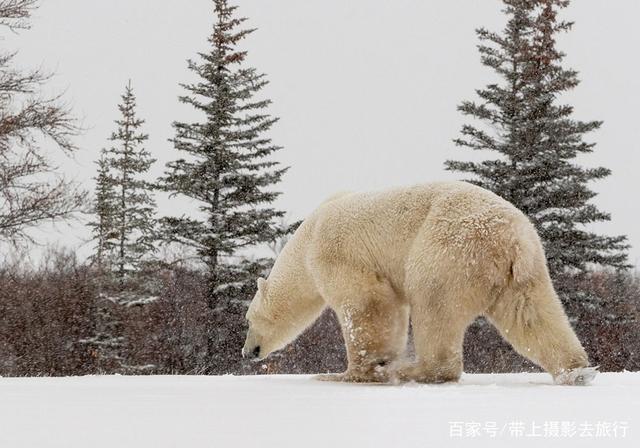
point(168, 294)
point(223, 167)
point(45, 313)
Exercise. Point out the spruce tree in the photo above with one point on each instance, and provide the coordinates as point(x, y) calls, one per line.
point(227, 172)
point(106, 343)
point(123, 195)
point(124, 232)
point(103, 227)
point(522, 120)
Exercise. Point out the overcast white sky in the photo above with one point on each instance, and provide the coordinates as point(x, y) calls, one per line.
point(366, 89)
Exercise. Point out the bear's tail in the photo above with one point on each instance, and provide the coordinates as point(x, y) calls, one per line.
point(527, 258)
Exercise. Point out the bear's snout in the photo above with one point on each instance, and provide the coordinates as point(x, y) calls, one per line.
point(251, 349)
point(251, 354)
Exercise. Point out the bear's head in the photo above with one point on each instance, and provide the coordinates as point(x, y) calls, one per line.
point(267, 328)
point(276, 317)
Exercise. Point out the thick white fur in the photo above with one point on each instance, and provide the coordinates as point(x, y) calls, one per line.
point(437, 254)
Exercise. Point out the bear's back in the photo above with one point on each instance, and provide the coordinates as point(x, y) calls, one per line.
point(377, 230)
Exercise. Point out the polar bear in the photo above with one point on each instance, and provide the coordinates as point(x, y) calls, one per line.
point(437, 255)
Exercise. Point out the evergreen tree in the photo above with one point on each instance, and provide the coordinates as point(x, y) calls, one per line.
point(124, 204)
point(107, 343)
point(124, 231)
point(227, 171)
point(537, 140)
point(103, 227)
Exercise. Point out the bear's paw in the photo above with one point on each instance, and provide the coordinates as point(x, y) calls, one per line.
point(580, 376)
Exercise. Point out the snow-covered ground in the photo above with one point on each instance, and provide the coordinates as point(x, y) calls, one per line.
point(301, 412)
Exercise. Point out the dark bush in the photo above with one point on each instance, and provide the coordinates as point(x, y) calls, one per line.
point(46, 313)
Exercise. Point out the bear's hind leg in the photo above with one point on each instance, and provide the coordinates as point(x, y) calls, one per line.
point(531, 318)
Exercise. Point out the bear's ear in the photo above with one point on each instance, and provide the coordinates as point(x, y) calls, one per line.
point(262, 285)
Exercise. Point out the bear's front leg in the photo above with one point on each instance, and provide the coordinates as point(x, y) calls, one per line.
point(362, 370)
point(373, 317)
point(375, 336)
